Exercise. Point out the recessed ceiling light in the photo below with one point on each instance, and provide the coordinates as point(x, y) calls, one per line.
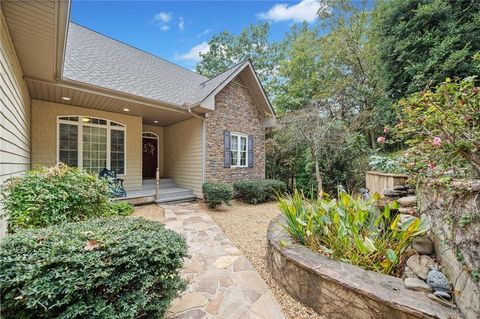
point(126, 110)
point(65, 98)
point(155, 121)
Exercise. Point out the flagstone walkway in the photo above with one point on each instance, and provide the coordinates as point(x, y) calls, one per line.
point(222, 283)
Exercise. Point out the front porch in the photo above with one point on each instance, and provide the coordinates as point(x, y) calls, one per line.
point(131, 143)
point(169, 192)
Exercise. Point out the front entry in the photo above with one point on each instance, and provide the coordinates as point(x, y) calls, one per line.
point(150, 157)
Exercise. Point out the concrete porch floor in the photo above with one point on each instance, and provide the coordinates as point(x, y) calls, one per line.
point(169, 192)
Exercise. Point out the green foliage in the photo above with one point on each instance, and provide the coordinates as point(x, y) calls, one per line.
point(298, 136)
point(49, 196)
point(121, 208)
point(100, 268)
point(387, 164)
point(215, 194)
point(351, 230)
point(259, 191)
point(419, 42)
point(299, 72)
point(442, 128)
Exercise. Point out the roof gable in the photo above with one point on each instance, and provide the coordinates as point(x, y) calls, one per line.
point(246, 71)
point(100, 61)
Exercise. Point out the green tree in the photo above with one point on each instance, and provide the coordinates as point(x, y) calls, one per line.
point(252, 43)
point(298, 77)
point(422, 42)
point(348, 70)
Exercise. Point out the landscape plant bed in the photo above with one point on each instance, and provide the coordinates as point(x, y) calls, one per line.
point(340, 290)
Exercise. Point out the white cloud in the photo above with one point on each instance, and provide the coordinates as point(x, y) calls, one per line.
point(204, 32)
point(194, 53)
point(181, 24)
point(306, 10)
point(163, 17)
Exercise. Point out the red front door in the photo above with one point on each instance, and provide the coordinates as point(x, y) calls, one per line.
point(150, 157)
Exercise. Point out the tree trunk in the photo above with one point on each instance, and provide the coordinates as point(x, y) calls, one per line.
point(318, 175)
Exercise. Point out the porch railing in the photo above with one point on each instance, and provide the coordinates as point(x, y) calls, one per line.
point(157, 182)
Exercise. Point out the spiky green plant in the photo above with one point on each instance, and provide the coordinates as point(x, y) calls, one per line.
point(351, 229)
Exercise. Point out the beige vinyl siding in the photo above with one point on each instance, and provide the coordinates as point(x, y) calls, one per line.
point(184, 154)
point(44, 136)
point(15, 113)
point(161, 148)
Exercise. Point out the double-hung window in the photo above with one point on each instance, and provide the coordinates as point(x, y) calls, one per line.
point(238, 150)
point(91, 143)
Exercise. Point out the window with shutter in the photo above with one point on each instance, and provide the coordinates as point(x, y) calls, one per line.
point(239, 148)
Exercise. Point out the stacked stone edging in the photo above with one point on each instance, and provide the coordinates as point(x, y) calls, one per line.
point(445, 205)
point(339, 290)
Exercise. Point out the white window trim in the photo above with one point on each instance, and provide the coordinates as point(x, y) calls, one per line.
point(80, 125)
point(238, 149)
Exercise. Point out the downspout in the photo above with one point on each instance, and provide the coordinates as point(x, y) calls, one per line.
point(203, 141)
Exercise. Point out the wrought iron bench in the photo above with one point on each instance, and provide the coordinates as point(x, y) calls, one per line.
point(115, 185)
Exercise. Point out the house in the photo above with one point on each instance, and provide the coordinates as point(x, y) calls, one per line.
point(72, 95)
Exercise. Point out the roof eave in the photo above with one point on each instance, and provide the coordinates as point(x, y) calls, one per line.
point(62, 21)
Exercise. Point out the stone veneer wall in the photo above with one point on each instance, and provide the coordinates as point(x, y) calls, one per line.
point(454, 214)
point(339, 290)
point(235, 111)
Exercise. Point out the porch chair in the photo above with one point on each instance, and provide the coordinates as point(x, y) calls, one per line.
point(115, 185)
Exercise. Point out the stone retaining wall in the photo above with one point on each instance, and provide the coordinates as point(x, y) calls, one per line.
point(454, 213)
point(339, 290)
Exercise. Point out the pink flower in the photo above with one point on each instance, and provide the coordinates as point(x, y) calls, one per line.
point(386, 129)
point(381, 139)
point(431, 165)
point(437, 142)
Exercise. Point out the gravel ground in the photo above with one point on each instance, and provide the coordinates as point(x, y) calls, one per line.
point(246, 226)
point(152, 212)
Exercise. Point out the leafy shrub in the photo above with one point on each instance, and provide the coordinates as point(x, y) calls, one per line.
point(215, 194)
point(121, 208)
point(442, 128)
point(351, 230)
point(260, 191)
point(48, 196)
point(387, 164)
point(99, 268)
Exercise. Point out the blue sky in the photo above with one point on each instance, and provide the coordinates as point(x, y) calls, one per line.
point(178, 30)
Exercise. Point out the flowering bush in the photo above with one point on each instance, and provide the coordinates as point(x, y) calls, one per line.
point(442, 128)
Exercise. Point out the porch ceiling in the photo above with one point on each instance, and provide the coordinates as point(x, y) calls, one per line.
point(105, 101)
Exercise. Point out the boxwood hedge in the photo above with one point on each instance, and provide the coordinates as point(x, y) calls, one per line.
point(258, 191)
point(215, 194)
point(100, 268)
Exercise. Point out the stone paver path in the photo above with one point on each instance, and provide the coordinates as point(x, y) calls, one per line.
point(222, 282)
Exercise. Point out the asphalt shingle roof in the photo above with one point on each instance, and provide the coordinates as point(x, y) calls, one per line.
point(98, 60)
